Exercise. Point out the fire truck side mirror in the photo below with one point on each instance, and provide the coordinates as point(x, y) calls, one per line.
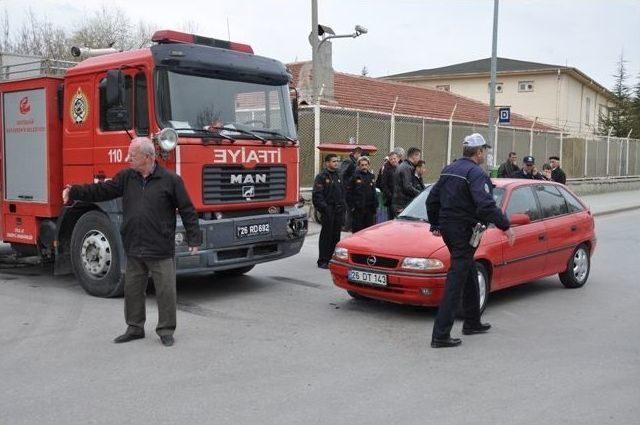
point(293, 95)
point(117, 112)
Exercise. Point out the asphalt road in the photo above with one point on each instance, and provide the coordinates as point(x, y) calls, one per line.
point(284, 346)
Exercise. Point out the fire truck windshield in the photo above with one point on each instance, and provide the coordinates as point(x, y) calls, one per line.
point(197, 102)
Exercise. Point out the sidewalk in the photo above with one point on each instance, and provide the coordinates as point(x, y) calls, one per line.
point(600, 204)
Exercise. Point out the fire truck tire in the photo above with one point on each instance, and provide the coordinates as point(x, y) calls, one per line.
point(235, 272)
point(95, 255)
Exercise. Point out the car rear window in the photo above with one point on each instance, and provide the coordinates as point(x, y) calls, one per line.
point(572, 202)
point(551, 200)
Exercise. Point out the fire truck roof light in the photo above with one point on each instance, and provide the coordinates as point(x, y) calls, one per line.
point(168, 36)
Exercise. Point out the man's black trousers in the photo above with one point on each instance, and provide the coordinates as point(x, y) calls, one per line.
point(463, 275)
point(362, 219)
point(332, 221)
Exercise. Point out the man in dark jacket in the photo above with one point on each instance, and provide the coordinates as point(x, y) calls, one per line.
point(347, 169)
point(387, 185)
point(404, 190)
point(508, 168)
point(361, 196)
point(529, 170)
point(418, 182)
point(557, 175)
point(150, 196)
point(462, 197)
point(328, 200)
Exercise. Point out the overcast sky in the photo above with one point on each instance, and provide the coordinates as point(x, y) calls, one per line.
point(404, 35)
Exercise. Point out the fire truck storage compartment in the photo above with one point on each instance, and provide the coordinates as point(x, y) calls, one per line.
point(25, 145)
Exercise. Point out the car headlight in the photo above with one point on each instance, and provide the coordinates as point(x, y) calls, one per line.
point(167, 139)
point(422, 264)
point(341, 253)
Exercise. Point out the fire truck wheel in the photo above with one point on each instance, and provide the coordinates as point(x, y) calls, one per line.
point(95, 256)
point(235, 272)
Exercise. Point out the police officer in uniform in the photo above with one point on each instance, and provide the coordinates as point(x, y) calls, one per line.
point(462, 197)
point(328, 200)
point(361, 196)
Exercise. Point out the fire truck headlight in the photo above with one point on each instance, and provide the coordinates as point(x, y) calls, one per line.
point(167, 139)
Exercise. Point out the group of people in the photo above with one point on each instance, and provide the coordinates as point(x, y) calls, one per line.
point(347, 193)
point(550, 171)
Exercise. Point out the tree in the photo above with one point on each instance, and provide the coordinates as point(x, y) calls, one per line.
point(365, 71)
point(619, 118)
point(635, 110)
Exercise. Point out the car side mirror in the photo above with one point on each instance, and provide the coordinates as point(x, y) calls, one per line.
point(293, 96)
point(519, 219)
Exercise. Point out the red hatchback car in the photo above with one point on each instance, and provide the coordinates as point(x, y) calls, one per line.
point(401, 261)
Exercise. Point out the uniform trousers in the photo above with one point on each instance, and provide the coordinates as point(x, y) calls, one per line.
point(163, 272)
point(462, 275)
point(332, 221)
point(362, 219)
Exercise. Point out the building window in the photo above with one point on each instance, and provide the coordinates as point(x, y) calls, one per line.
point(444, 87)
point(525, 86)
point(587, 104)
point(499, 87)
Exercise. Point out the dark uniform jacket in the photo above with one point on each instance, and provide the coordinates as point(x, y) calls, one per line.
point(559, 176)
point(149, 210)
point(521, 174)
point(404, 191)
point(464, 194)
point(328, 192)
point(361, 192)
point(387, 184)
point(347, 168)
point(508, 169)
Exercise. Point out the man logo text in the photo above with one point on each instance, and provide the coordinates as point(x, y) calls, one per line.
point(248, 178)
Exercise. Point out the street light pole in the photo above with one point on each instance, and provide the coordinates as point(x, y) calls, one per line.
point(492, 84)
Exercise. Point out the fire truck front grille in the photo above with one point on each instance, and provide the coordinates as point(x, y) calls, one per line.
point(223, 185)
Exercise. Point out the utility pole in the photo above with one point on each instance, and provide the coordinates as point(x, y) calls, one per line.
point(314, 50)
point(492, 84)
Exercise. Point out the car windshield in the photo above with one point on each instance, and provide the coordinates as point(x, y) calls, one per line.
point(193, 102)
point(417, 209)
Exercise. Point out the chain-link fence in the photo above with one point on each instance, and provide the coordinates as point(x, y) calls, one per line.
point(581, 156)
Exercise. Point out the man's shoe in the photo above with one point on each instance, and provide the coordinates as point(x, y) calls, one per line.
point(126, 337)
point(167, 340)
point(478, 328)
point(446, 342)
point(323, 265)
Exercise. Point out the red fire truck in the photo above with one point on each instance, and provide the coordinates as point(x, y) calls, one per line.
point(221, 117)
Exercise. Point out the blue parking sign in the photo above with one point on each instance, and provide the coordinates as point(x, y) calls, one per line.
point(504, 115)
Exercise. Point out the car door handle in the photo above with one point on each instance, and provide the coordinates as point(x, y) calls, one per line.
point(541, 236)
point(574, 228)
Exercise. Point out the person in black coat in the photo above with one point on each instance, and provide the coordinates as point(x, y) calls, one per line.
point(418, 182)
point(529, 170)
point(387, 185)
point(557, 175)
point(361, 196)
point(328, 200)
point(404, 190)
point(150, 196)
point(508, 168)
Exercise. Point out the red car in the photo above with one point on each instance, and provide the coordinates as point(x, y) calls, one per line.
point(401, 261)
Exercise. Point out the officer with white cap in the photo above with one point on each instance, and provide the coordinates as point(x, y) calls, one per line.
point(462, 198)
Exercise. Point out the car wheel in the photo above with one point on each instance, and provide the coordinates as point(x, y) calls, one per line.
point(484, 286)
point(235, 272)
point(357, 296)
point(578, 268)
point(95, 255)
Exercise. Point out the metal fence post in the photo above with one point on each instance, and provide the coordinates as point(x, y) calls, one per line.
point(316, 139)
point(561, 145)
point(626, 167)
point(495, 143)
point(586, 155)
point(608, 146)
point(358, 127)
point(450, 134)
point(531, 136)
point(392, 136)
point(422, 143)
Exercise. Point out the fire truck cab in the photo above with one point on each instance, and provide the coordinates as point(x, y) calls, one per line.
point(221, 118)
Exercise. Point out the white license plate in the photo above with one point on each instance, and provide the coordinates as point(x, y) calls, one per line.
point(257, 229)
point(367, 277)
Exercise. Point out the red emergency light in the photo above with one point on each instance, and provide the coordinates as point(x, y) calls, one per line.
point(168, 36)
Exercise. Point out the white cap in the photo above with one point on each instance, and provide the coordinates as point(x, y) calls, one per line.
point(474, 140)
